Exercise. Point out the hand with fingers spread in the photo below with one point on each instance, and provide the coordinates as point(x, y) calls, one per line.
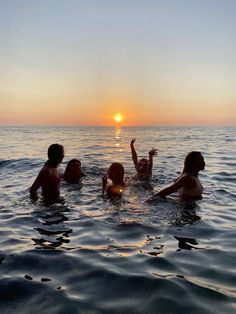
point(153, 152)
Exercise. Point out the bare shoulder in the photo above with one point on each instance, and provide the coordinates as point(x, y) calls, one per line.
point(183, 177)
point(188, 180)
point(45, 170)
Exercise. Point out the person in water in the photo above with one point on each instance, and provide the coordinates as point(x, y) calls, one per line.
point(49, 177)
point(115, 189)
point(73, 172)
point(188, 182)
point(143, 166)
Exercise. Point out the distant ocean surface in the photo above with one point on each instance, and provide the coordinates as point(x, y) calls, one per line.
point(92, 256)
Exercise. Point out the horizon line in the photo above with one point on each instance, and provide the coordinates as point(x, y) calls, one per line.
point(117, 125)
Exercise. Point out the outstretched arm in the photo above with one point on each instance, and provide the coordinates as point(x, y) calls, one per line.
point(179, 183)
point(134, 154)
point(153, 152)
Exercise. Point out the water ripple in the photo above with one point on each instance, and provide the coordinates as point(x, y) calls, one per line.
point(136, 256)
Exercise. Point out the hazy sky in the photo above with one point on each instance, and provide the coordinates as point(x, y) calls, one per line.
point(156, 62)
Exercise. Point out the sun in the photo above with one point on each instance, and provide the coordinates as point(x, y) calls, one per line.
point(118, 118)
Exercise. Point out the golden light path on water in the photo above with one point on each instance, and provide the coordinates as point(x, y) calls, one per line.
point(118, 137)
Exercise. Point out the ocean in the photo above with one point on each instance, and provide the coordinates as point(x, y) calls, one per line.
point(137, 256)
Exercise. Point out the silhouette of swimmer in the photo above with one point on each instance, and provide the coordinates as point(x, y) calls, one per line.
point(143, 166)
point(73, 172)
point(188, 182)
point(115, 189)
point(49, 177)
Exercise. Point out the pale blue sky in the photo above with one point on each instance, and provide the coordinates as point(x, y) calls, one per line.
point(83, 56)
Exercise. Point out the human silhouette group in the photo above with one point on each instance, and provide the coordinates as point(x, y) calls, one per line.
point(113, 183)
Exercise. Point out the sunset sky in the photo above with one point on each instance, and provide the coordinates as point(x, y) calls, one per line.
point(155, 62)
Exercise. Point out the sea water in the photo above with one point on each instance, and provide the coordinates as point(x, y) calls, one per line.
point(138, 256)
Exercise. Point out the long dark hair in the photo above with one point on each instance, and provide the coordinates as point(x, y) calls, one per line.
point(70, 163)
point(189, 161)
point(116, 173)
point(68, 176)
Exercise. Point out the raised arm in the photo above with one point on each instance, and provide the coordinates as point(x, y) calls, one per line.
point(153, 152)
point(134, 154)
point(179, 183)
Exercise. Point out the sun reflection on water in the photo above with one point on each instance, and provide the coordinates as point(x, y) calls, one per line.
point(118, 138)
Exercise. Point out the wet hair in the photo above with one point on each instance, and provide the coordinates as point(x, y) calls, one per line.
point(116, 173)
point(68, 176)
point(189, 161)
point(55, 154)
point(143, 161)
point(71, 162)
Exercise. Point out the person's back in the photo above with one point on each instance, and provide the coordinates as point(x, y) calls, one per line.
point(49, 177)
point(115, 189)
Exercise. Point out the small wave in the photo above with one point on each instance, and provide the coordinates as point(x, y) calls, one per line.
point(99, 147)
point(20, 163)
point(93, 256)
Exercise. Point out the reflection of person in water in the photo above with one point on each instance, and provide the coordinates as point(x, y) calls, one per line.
point(144, 165)
point(73, 172)
point(186, 243)
point(188, 182)
point(51, 228)
point(115, 189)
point(49, 177)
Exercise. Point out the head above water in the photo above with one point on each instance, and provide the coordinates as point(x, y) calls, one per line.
point(55, 154)
point(73, 164)
point(73, 171)
point(143, 166)
point(116, 173)
point(194, 162)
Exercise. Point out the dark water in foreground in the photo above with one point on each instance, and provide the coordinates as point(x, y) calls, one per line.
point(91, 256)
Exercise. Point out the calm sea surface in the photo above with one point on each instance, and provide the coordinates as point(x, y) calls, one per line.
point(91, 256)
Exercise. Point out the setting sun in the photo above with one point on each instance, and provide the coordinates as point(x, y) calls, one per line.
point(118, 118)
